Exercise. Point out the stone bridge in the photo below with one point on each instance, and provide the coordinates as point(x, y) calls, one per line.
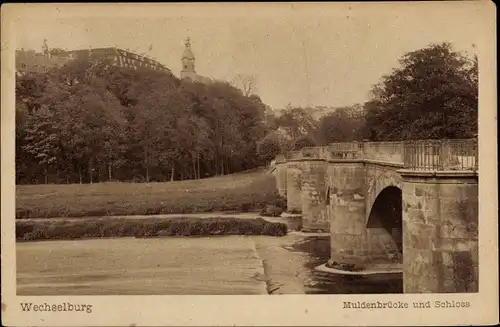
point(382, 199)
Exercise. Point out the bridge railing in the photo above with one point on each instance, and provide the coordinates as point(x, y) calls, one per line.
point(344, 150)
point(333, 154)
point(461, 154)
point(441, 154)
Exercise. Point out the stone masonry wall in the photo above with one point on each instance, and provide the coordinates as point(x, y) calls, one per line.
point(351, 241)
point(384, 151)
point(347, 212)
point(440, 235)
point(313, 196)
point(281, 168)
point(294, 186)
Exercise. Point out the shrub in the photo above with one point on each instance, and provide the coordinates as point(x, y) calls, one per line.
point(280, 202)
point(274, 229)
point(268, 147)
point(42, 230)
point(245, 207)
point(271, 211)
point(23, 228)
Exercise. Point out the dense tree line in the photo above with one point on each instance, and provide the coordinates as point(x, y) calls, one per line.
point(89, 122)
point(432, 95)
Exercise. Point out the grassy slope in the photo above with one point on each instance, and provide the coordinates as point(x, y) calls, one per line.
point(241, 191)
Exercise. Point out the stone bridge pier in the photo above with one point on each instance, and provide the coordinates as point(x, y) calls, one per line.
point(314, 216)
point(440, 232)
point(409, 203)
point(294, 186)
point(281, 172)
point(346, 210)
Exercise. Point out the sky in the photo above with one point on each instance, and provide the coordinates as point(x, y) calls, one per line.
point(300, 54)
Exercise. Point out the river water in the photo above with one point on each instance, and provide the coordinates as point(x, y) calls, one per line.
point(195, 266)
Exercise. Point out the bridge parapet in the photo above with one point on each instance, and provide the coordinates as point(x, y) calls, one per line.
point(431, 155)
point(312, 152)
point(333, 154)
point(384, 151)
point(346, 146)
point(280, 158)
point(294, 155)
point(423, 155)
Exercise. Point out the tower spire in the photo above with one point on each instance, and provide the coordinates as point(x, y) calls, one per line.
point(188, 70)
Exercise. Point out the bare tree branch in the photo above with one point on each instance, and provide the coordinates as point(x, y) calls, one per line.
point(247, 83)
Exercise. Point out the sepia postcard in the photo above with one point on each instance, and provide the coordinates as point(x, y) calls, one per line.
point(249, 164)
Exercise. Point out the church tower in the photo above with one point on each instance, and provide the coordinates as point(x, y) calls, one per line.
point(188, 70)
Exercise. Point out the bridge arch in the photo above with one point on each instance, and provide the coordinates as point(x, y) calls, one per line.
point(385, 221)
point(378, 178)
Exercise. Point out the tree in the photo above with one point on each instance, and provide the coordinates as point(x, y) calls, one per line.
point(247, 83)
point(303, 142)
point(270, 118)
point(345, 124)
point(433, 94)
point(30, 89)
point(43, 139)
point(269, 147)
point(296, 122)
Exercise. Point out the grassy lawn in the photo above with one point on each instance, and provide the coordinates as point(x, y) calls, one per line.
point(239, 192)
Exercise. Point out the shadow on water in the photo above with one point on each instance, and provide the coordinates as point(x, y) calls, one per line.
point(318, 249)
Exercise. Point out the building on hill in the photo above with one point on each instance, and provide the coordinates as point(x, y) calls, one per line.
point(30, 61)
point(120, 58)
point(34, 62)
point(188, 70)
